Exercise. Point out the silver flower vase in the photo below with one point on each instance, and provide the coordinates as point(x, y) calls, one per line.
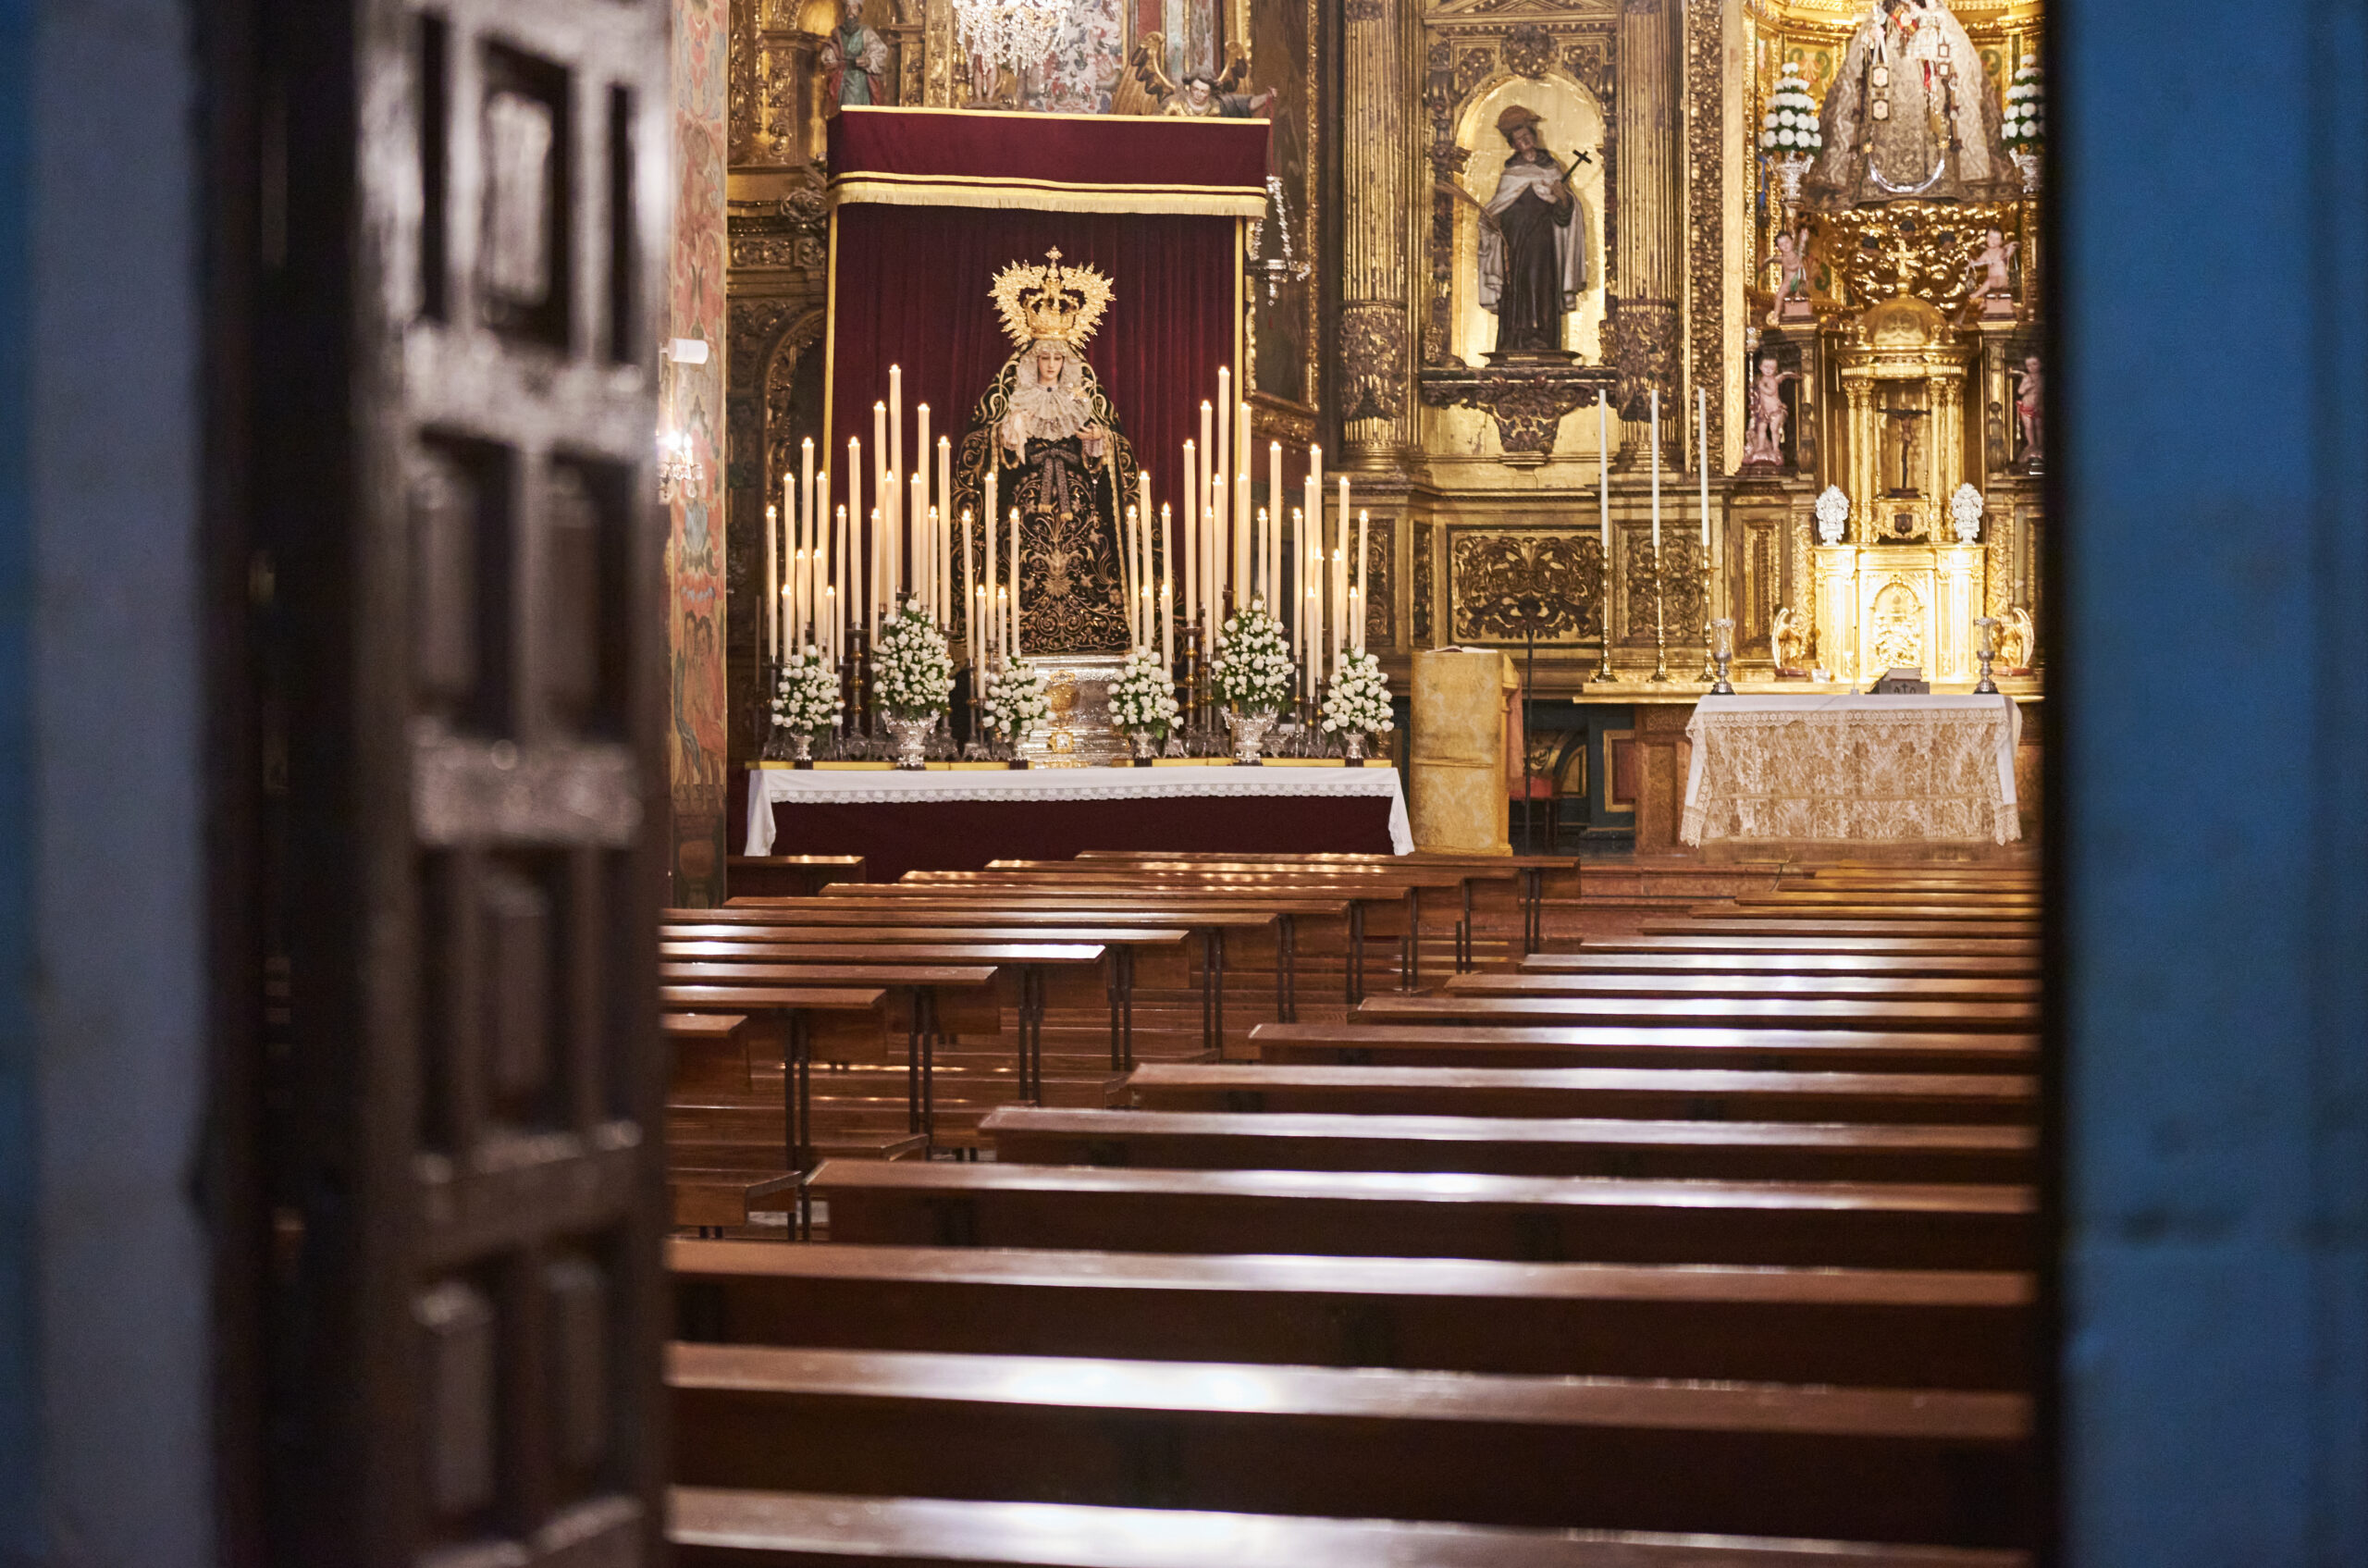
point(1248, 734)
point(801, 747)
point(1146, 745)
point(1352, 748)
point(911, 736)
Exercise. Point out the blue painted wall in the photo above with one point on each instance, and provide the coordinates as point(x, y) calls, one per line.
point(2208, 801)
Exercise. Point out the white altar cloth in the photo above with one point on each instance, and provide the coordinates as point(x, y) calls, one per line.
point(1839, 769)
point(771, 787)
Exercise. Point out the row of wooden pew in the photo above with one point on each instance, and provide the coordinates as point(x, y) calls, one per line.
point(1707, 1244)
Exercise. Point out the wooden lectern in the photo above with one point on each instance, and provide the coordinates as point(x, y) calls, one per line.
point(1462, 721)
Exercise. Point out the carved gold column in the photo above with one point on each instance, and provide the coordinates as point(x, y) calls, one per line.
point(1378, 212)
point(1957, 601)
point(1837, 609)
point(1650, 202)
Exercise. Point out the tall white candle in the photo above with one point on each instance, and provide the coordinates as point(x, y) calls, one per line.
point(944, 500)
point(1357, 622)
point(1192, 550)
point(970, 594)
point(816, 522)
point(1167, 587)
point(848, 586)
point(1655, 462)
point(884, 483)
point(1603, 492)
point(892, 455)
point(772, 582)
point(1130, 569)
point(1270, 570)
point(987, 516)
point(878, 573)
point(1228, 517)
point(834, 561)
point(922, 451)
point(854, 502)
point(1014, 583)
point(1201, 537)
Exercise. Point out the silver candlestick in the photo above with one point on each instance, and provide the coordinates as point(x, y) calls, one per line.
point(1722, 652)
point(1986, 686)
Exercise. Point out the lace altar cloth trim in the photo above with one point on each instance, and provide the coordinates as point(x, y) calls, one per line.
point(771, 787)
point(1840, 769)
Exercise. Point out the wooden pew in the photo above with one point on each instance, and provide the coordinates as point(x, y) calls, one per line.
point(707, 1202)
point(1350, 1043)
point(1938, 1466)
point(1691, 940)
point(1391, 1214)
point(1893, 1013)
point(1666, 1150)
point(1856, 1328)
point(1729, 923)
point(1644, 1093)
point(718, 1529)
point(796, 876)
point(1810, 985)
point(1938, 963)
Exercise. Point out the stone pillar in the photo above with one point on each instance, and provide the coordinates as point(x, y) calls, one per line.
point(1378, 209)
point(1644, 321)
point(1457, 799)
point(1837, 609)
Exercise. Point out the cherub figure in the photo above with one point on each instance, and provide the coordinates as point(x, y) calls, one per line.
point(1990, 270)
point(1793, 264)
point(1765, 414)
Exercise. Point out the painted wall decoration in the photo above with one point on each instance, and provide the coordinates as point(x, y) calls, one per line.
point(1081, 73)
point(694, 404)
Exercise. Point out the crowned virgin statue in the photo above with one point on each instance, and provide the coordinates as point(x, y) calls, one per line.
point(1910, 115)
point(1054, 444)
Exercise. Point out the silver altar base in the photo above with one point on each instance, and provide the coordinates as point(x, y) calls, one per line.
point(1078, 733)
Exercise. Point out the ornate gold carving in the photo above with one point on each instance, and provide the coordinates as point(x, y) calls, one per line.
point(1918, 248)
point(1381, 584)
point(1643, 337)
point(1895, 630)
point(1528, 405)
point(1363, 10)
point(1373, 359)
point(1528, 51)
point(1424, 585)
point(1473, 68)
point(1705, 231)
point(1681, 557)
point(1589, 60)
point(1518, 586)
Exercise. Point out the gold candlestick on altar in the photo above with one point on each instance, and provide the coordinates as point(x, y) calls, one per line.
point(1709, 674)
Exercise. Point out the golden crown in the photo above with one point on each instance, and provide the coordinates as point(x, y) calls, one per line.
point(1051, 301)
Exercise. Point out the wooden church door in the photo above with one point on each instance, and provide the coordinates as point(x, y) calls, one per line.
point(461, 211)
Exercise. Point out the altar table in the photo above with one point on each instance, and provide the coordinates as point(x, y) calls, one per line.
point(958, 819)
point(1937, 769)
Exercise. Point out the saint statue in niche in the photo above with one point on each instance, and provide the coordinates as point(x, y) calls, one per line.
point(1910, 114)
point(1060, 460)
point(1532, 251)
point(854, 61)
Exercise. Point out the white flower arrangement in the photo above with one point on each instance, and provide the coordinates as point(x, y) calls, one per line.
point(1358, 699)
point(1965, 512)
point(806, 698)
point(2024, 127)
point(1143, 699)
point(1832, 513)
point(912, 671)
point(1252, 671)
point(1790, 127)
point(1013, 698)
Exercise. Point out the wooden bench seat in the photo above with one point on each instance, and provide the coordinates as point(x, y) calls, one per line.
point(1761, 1050)
point(1926, 1466)
point(1670, 1094)
point(792, 875)
point(1809, 986)
point(1541, 1220)
point(1936, 963)
point(1858, 1328)
point(1891, 1014)
point(1730, 923)
point(1676, 1151)
point(716, 1529)
point(1689, 940)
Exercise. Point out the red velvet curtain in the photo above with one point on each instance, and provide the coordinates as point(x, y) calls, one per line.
point(909, 283)
point(912, 292)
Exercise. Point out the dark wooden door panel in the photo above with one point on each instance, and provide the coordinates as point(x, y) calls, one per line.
point(463, 525)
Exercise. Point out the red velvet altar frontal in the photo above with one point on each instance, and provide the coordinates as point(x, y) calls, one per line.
point(963, 836)
point(1156, 204)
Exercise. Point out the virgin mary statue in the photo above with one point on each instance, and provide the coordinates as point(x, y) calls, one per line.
point(1910, 115)
point(1053, 442)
